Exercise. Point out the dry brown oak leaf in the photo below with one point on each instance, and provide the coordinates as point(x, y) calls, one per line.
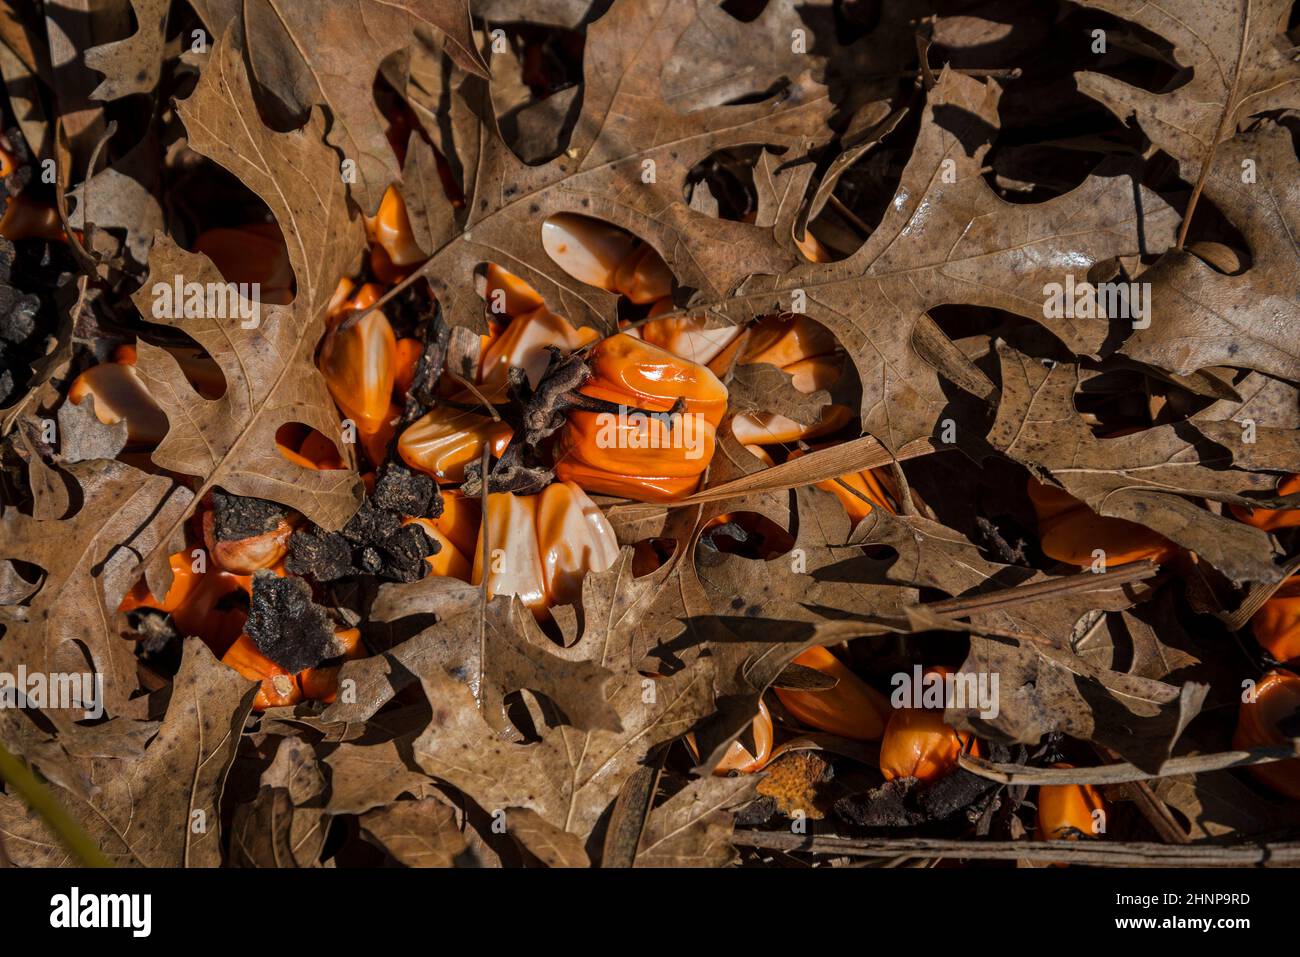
point(132, 65)
point(948, 238)
point(626, 163)
point(161, 807)
point(571, 776)
point(421, 833)
point(1241, 64)
point(90, 560)
point(1201, 317)
point(496, 647)
point(328, 52)
point(1044, 683)
point(753, 617)
point(285, 824)
point(1149, 477)
point(723, 59)
point(693, 828)
point(271, 378)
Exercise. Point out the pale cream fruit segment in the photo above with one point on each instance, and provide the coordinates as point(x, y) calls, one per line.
point(523, 344)
point(587, 249)
point(573, 538)
point(444, 440)
point(120, 394)
point(514, 564)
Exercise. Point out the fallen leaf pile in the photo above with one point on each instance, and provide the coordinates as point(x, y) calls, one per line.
point(982, 318)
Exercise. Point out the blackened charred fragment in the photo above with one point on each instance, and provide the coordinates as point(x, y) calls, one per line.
point(236, 517)
point(400, 556)
point(287, 626)
point(324, 556)
point(423, 393)
point(406, 492)
point(374, 542)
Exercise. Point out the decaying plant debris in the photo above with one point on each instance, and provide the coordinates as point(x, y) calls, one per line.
point(986, 462)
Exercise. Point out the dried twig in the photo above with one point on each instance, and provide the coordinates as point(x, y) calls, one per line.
point(1100, 853)
point(1037, 591)
point(1124, 773)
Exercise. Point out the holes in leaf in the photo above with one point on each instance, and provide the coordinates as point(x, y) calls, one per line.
point(746, 11)
point(251, 253)
point(722, 184)
point(20, 581)
point(588, 249)
point(864, 191)
point(747, 534)
point(880, 553)
point(1052, 136)
point(520, 708)
point(304, 446)
point(650, 554)
point(607, 257)
point(198, 367)
point(1119, 402)
point(962, 321)
point(536, 87)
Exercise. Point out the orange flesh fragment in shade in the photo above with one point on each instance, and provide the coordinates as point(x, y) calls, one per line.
point(1065, 811)
point(449, 561)
point(184, 582)
point(918, 744)
point(1277, 698)
point(408, 357)
point(1276, 626)
point(360, 366)
point(1069, 531)
point(852, 709)
point(1271, 519)
point(252, 253)
point(739, 759)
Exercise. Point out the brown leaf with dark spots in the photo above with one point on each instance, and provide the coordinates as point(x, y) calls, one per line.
point(423, 833)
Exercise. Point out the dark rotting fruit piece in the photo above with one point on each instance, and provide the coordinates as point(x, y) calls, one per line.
point(287, 626)
point(325, 556)
point(407, 492)
point(238, 516)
